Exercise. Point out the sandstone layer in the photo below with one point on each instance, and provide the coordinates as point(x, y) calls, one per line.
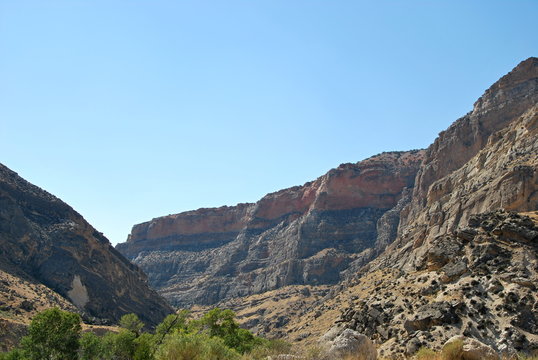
point(45, 243)
point(302, 235)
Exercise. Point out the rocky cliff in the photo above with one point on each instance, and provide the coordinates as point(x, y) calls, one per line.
point(45, 243)
point(485, 161)
point(302, 235)
point(465, 259)
point(407, 248)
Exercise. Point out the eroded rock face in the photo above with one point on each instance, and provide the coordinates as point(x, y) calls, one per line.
point(494, 300)
point(45, 241)
point(302, 235)
point(486, 160)
point(464, 262)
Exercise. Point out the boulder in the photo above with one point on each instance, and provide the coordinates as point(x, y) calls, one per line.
point(352, 343)
point(474, 350)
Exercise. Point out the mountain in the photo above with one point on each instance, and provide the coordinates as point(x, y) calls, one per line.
point(409, 248)
point(50, 256)
point(465, 259)
point(302, 235)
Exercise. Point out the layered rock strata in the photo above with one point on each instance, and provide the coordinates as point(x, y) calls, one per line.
point(485, 161)
point(456, 268)
point(43, 241)
point(302, 235)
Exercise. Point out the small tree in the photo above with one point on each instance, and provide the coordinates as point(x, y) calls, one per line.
point(91, 346)
point(132, 323)
point(53, 334)
point(220, 323)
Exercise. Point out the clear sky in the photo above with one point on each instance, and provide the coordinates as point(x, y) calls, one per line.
point(129, 110)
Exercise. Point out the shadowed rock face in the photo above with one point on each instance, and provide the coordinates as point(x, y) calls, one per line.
point(45, 240)
point(302, 235)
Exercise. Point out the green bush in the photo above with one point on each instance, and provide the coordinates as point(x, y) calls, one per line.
point(15, 354)
point(267, 348)
point(171, 323)
point(91, 347)
point(52, 334)
point(132, 323)
point(119, 346)
point(181, 346)
point(55, 334)
point(220, 323)
point(144, 347)
point(426, 354)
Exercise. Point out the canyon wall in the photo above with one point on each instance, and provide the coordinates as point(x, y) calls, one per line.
point(465, 260)
point(302, 235)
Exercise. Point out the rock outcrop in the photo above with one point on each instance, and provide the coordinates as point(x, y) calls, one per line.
point(465, 259)
point(479, 282)
point(302, 235)
point(485, 161)
point(45, 243)
point(408, 261)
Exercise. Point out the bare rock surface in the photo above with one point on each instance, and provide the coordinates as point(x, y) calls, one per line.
point(50, 255)
point(465, 258)
point(302, 235)
point(351, 344)
point(473, 349)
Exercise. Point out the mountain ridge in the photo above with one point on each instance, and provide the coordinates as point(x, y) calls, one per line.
point(44, 241)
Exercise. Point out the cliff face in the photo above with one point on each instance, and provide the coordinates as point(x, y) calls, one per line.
point(44, 241)
point(302, 235)
point(464, 261)
point(450, 251)
point(485, 161)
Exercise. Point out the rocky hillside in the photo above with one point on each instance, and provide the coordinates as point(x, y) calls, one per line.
point(465, 260)
point(407, 248)
point(302, 235)
point(50, 254)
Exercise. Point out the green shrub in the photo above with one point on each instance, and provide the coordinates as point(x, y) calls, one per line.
point(181, 346)
point(170, 324)
point(220, 323)
point(119, 346)
point(132, 323)
point(144, 347)
point(52, 334)
point(91, 346)
point(15, 354)
point(267, 348)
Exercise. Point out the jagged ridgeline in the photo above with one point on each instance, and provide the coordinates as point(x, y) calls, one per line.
point(50, 256)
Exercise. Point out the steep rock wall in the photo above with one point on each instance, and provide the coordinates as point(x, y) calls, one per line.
point(302, 235)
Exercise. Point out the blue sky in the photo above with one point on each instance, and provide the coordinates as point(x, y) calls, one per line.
point(129, 110)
